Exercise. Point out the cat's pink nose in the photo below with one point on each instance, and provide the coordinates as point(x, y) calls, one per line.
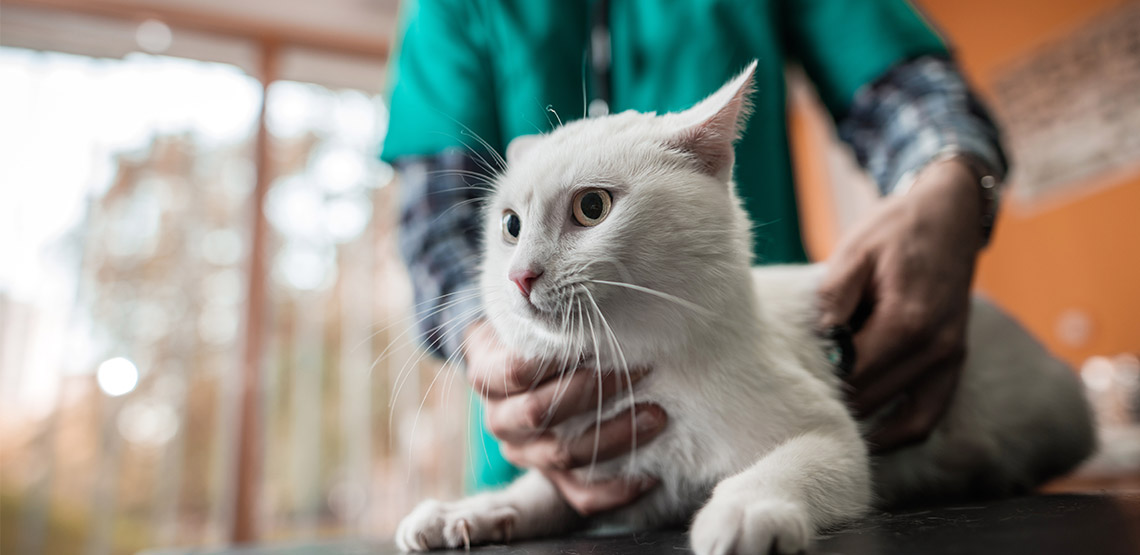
point(524, 279)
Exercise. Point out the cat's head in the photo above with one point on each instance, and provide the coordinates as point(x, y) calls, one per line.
point(623, 229)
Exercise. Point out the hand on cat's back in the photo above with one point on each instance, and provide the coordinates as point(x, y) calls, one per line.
point(523, 399)
point(911, 262)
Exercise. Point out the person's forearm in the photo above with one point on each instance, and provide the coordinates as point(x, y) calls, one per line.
point(917, 113)
point(439, 231)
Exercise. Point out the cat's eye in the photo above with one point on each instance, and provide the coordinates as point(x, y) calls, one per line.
point(512, 226)
point(591, 206)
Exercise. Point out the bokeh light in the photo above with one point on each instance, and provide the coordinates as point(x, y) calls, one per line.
point(154, 36)
point(117, 376)
point(148, 423)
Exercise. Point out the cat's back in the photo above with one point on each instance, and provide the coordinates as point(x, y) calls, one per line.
point(787, 305)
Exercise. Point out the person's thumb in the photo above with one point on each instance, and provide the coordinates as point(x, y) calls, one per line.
point(841, 289)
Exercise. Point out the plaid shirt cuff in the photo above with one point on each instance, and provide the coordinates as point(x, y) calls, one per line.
point(919, 111)
point(440, 227)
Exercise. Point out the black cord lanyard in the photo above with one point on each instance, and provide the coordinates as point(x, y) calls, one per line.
point(600, 58)
point(840, 349)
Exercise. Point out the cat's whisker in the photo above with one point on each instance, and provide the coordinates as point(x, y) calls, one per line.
point(472, 292)
point(467, 131)
point(482, 179)
point(449, 363)
point(480, 182)
point(477, 397)
point(598, 416)
point(672, 298)
point(476, 154)
point(413, 326)
point(563, 384)
point(459, 204)
point(624, 367)
point(449, 385)
point(585, 99)
point(405, 372)
point(567, 355)
point(616, 262)
point(494, 152)
point(597, 425)
point(550, 108)
point(416, 419)
point(458, 296)
point(580, 336)
point(411, 368)
point(760, 225)
point(482, 188)
point(414, 363)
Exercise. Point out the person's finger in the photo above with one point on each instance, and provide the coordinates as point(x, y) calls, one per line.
point(867, 398)
point(842, 289)
point(501, 374)
point(595, 497)
point(585, 396)
point(915, 418)
point(891, 358)
point(614, 437)
point(521, 416)
point(889, 337)
point(625, 432)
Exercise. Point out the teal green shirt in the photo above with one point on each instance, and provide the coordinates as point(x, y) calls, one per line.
point(467, 68)
point(500, 69)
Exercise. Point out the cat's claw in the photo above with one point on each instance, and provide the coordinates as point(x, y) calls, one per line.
point(736, 524)
point(465, 529)
point(508, 526)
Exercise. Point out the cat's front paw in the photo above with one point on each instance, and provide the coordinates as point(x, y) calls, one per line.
point(740, 525)
point(472, 521)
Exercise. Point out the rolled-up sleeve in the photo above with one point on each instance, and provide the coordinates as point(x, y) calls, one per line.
point(440, 219)
point(442, 129)
point(920, 110)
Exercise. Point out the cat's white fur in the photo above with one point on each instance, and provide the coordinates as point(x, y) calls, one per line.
point(759, 445)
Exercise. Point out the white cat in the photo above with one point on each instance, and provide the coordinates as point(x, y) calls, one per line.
point(759, 445)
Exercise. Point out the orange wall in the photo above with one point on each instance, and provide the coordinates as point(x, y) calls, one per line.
point(1081, 254)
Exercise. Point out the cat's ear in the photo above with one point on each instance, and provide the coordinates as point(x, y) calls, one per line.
point(519, 146)
point(708, 130)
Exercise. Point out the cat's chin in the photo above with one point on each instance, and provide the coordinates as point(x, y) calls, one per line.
point(535, 333)
point(534, 338)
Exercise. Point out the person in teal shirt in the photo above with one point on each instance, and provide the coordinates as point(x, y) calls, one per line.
point(471, 75)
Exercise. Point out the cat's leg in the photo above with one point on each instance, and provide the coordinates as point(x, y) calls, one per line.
point(528, 508)
point(808, 483)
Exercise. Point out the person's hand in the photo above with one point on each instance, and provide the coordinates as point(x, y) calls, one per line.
point(910, 265)
point(523, 399)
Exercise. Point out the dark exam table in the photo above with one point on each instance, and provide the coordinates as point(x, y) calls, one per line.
point(1098, 522)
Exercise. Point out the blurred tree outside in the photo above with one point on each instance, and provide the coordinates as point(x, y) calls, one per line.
point(154, 269)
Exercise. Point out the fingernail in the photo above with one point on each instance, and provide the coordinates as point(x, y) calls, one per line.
point(647, 483)
point(649, 419)
point(633, 373)
point(636, 374)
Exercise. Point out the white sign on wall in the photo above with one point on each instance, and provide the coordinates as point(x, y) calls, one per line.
point(1070, 111)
